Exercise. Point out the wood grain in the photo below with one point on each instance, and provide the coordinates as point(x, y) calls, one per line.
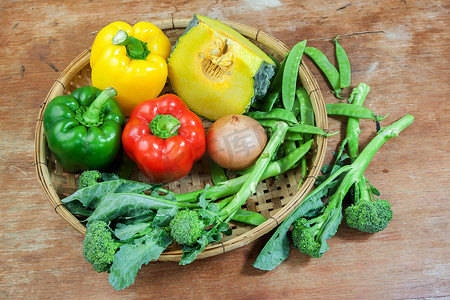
point(398, 47)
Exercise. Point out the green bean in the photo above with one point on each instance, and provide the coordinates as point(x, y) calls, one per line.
point(294, 136)
point(269, 100)
point(296, 108)
point(279, 114)
point(290, 75)
point(348, 110)
point(306, 109)
point(289, 146)
point(309, 129)
point(343, 64)
point(276, 61)
point(299, 128)
point(278, 77)
point(330, 72)
point(217, 172)
point(357, 97)
point(248, 217)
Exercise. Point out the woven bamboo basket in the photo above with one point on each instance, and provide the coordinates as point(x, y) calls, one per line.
point(275, 198)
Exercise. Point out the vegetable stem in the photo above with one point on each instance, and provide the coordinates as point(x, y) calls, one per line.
point(92, 116)
point(231, 186)
point(357, 97)
point(136, 49)
point(276, 249)
point(249, 186)
point(164, 126)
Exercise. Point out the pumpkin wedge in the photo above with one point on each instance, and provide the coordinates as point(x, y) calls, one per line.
point(216, 71)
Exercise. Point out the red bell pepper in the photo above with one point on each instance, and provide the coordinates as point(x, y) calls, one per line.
point(164, 138)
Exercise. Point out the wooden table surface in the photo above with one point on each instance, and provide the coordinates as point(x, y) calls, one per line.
point(399, 47)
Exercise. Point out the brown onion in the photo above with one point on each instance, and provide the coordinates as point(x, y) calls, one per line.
point(235, 141)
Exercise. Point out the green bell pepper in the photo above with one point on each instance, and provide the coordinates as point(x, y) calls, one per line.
point(84, 129)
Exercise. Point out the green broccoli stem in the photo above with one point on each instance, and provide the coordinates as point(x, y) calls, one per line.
point(363, 190)
point(231, 186)
point(249, 186)
point(276, 249)
point(362, 161)
point(357, 98)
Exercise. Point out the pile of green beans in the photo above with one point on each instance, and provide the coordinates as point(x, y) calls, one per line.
point(286, 100)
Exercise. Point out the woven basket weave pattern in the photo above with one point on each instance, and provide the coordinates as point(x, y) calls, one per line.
point(274, 198)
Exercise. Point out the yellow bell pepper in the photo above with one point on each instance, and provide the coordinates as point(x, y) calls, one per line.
point(132, 60)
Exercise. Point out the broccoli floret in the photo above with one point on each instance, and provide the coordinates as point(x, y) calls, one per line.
point(304, 235)
point(99, 246)
point(369, 216)
point(88, 178)
point(186, 227)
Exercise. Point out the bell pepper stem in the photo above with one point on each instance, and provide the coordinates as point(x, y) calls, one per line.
point(136, 49)
point(164, 126)
point(92, 114)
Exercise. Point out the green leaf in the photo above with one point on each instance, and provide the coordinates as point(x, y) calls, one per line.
point(202, 202)
point(190, 252)
point(89, 197)
point(374, 190)
point(124, 232)
point(146, 217)
point(110, 176)
point(164, 216)
point(122, 205)
point(277, 248)
point(329, 229)
point(130, 257)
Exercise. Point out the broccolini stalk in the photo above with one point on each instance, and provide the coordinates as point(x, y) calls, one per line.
point(232, 186)
point(215, 217)
point(249, 186)
point(364, 214)
point(277, 248)
point(357, 98)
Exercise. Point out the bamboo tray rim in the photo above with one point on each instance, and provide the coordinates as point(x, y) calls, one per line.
point(43, 175)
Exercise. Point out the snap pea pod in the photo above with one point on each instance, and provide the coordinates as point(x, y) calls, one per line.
point(309, 129)
point(280, 165)
point(343, 64)
point(330, 72)
point(269, 99)
point(290, 75)
point(304, 171)
point(294, 136)
point(299, 128)
point(349, 110)
point(296, 108)
point(276, 61)
point(217, 172)
point(279, 114)
point(289, 146)
point(278, 77)
point(306, 109)
point(248, 217)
